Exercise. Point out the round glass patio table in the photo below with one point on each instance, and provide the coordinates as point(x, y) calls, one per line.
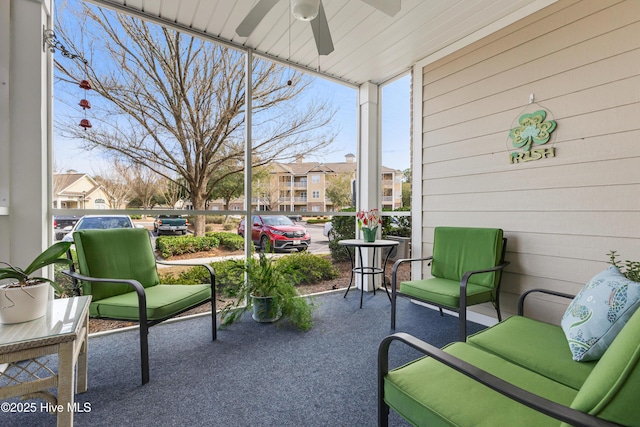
point(364, 270)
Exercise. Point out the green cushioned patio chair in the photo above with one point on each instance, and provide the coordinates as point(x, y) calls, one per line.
point(117, 267)
point(466, 266)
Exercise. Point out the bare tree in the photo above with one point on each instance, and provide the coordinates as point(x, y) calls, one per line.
point(115, 179)
point(176, 104)
point(145, 185)
point(171, 191)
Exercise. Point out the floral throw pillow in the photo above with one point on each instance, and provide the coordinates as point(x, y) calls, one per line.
point(598, 313)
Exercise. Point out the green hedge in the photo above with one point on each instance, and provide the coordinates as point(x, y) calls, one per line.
point(63, 280)
point(343, 227)
point(306, 267)
point(231, 241)
point(178, 245)
point(227, 274)
point(404, 228)
point(169, 246)
point(318, 220)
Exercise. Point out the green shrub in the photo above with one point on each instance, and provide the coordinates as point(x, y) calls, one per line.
point(173, 245)
point(63, 281)
point(318, 220)
point(404, 228)
point(231, 241)
point(343, 227)
point(308, 268)
point(228, 275)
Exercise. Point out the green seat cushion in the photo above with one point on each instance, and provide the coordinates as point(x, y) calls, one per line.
point(612, 390)
point(162, 301)
point(445, 292)
point(544, 350)
point(428, 393)
point(122, 253)
point(457, 250)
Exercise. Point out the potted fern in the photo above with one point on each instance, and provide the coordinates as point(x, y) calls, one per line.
point(269, 291)
point(24, 297)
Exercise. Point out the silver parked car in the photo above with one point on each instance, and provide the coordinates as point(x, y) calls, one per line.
point(100, 222)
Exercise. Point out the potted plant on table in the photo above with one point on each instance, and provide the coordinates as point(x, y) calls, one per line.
point(368, 222)
point(269, 291)
point(25, 297)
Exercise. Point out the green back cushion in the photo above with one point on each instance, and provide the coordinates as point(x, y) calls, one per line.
point(123, 253)
point(457, 250)
point(611, 392)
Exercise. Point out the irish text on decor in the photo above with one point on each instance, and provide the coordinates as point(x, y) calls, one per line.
point(533, 131)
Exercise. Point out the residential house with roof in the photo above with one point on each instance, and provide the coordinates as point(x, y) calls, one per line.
point(73, 190)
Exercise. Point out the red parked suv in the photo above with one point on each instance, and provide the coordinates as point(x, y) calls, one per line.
point(278, 229)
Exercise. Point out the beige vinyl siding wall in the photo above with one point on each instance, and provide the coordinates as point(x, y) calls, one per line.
point(561, 215)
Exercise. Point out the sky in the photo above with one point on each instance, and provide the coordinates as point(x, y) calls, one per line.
point(395, 125)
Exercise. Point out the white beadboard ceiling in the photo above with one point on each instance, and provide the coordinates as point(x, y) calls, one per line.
point(369, 45)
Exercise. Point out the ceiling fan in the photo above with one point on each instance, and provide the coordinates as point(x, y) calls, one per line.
point(311, 11)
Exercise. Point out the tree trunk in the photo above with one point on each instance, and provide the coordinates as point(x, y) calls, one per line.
point(226, 208)
point(199, 224)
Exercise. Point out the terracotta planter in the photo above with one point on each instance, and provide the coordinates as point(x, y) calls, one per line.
point(23, 304)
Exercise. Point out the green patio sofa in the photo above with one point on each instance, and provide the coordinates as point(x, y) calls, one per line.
point(518, 372)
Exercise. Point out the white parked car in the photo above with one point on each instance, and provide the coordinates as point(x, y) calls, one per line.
point(327, 230)
point(100, 222)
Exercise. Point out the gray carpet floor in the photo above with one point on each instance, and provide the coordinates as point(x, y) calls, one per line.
point(254, 374)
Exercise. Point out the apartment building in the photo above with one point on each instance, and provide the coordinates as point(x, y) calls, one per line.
point(301, 187)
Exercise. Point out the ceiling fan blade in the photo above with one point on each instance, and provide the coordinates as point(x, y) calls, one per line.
point(321, 32)
point(390, 7)
point(253, 18)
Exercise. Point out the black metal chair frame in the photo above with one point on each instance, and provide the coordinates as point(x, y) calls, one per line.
point(462, 309)
point(142, 307)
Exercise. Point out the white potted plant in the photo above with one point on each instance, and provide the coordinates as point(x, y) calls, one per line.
point(25, 297)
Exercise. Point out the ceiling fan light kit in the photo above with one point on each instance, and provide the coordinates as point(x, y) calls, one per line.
point(305, 10)
point(311, 11)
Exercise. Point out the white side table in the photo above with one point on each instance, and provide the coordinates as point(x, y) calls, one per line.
point(63, 331)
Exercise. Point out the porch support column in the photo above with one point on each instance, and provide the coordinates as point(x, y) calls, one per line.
point(368, 185)
point(25, 130)
point(248, 146)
